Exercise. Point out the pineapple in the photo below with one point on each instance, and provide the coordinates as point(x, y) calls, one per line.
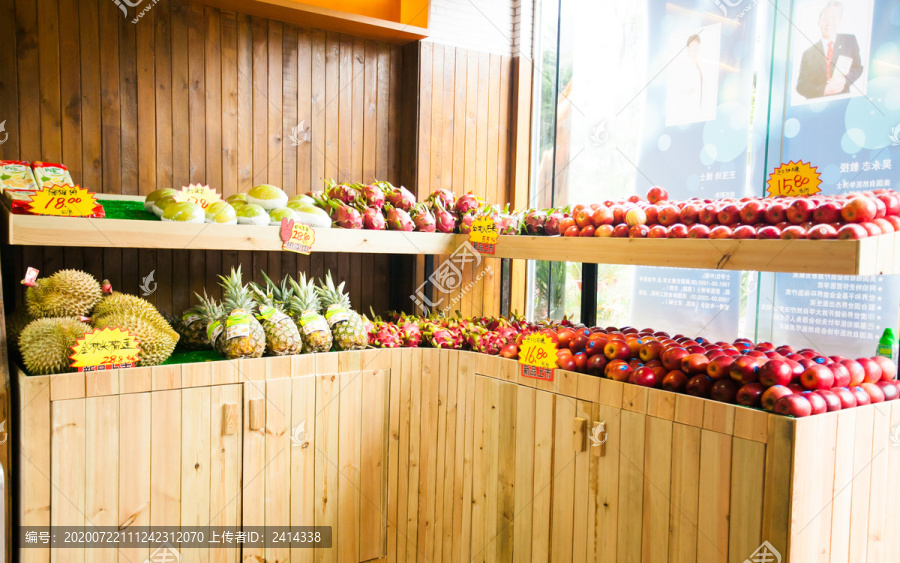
point(304, 306)
point(192, 324)
point(282, 336)
point(243, 336)
point(347, 327)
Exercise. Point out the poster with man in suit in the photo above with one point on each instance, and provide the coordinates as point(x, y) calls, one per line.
point(831, 64)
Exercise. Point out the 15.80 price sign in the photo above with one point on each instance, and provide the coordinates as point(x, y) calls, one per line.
point(537, 357)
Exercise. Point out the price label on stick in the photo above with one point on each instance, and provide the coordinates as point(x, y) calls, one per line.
point(537, 357)
point(63, 201)
point(199, 194)
point(483, 235)
point(794, 179)
point(105, 348)
point(297, 237)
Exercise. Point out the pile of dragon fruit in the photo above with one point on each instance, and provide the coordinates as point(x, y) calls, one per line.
point(380, 205)
point(487, 335)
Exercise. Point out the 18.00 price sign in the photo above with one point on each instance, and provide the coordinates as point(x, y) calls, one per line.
point(63, 201)
point(537, 357)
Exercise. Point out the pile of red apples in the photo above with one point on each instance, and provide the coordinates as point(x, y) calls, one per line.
point(845, 216)
point(776, 379)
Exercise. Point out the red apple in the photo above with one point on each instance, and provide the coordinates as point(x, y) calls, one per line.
point(891, 203)
point(651, 211)
point(720, 232)
point(852, 231)
point(634, 198)
point(578, 343)
point(880, 207)
point(709, 214)
point(745, 369)
point(775, 213)
point(821, 232)
point(817, 376)
point(572, 231)
point(650, 350)
point(616, 350)
point(699, 386)
point(856, 372)
point(694, 363)
point(596, 364)
point(832, 401)
point(872, 368)
point(752, 212)
point(799, 211)
point(657, 231)
point(888, 368)
point(720, 367)
point(644, 376)
point(618, 370)
point(860, 209)
point(745, 232)
point(886, 226)
point(862, 398)
point(675, 381)
point(678, 230)
point(602, 216)
point(816, 402)
point(729, 214)
point(620, 230)
point(768, 232)
point(794, 405)
point(698, 231)
point(668, 215)
point(772, 395)
point(873, 391)
point(889, 390)
point(793, 232)
point(657, 194)
point(724, 391)
point(750, 395)
point(841, 374)
point(847, 397)
point(671, 358)
point(894, 220)
point(638, 231)
point(581, 360)
point(775, 372)
point(689, 213)
point(827, 212)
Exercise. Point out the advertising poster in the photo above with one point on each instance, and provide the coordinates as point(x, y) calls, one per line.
point(840, 111)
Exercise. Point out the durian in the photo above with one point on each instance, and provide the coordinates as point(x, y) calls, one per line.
point(137, 315)
point(46, 344)
point(15, 324)
point(67, 293)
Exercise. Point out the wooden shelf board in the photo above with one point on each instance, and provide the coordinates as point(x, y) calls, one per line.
point(872, 256)
point(307, 15)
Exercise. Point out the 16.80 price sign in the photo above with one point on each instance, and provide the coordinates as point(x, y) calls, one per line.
point(537, 357)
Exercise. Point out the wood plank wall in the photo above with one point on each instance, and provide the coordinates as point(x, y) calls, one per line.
point(462, 143)
point(195, 94)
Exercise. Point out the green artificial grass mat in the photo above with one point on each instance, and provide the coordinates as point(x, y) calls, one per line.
point(126, 209)
point(192, 357)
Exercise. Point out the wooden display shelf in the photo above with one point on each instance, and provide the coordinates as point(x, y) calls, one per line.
point(309, 15)
point(872, 256)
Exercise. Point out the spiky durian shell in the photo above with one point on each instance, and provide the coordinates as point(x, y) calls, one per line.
point(141, 318)
point(15, 324)
point(46, 343)
point(67, 293)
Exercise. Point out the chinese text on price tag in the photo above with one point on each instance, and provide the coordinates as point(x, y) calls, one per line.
point(537, 357)
point(483, 235)
point(64, 201)
point(297, 237)
point(201, 195)
point(105, 348)
point(794, 179)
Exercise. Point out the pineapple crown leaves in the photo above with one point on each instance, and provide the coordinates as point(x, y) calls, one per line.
point(236, 294)
point(304, 296)
point(329, 294)
point(208, 308)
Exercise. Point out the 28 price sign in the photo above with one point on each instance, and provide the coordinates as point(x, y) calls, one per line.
point(63, 201)
point(106, 348)
point(199, 194)
point(537, 357)
point(297, 237)
point(794, 179)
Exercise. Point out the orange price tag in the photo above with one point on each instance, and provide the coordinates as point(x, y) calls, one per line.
point(297, 237)
point(483, 235)
point(794, 179)
point(199, 194)
point(63, 201)
point(537, 357)
point(105, 348)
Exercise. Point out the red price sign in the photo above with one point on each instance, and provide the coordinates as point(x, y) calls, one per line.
point(297, 237)
point(794, 179)
point(199, 194)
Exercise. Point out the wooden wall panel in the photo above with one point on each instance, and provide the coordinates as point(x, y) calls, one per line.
point(196, 94)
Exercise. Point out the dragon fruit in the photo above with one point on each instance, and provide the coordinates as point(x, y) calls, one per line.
point(445, 221)
point(410, 334)
point(345, 193)
point(441, 338)
point(384, 335)
point(508, 223)
point(466, 203)
point(465, 223)
point(373, 219)
point(443, 198)
point(551, 226)
point(422, 218)
point(373, 195)
point(534, 221)
point(398, 219)
point(345, 216)
point(400, 198)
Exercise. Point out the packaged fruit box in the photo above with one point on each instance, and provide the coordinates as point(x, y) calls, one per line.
point(16, 174)
point(51, 173)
